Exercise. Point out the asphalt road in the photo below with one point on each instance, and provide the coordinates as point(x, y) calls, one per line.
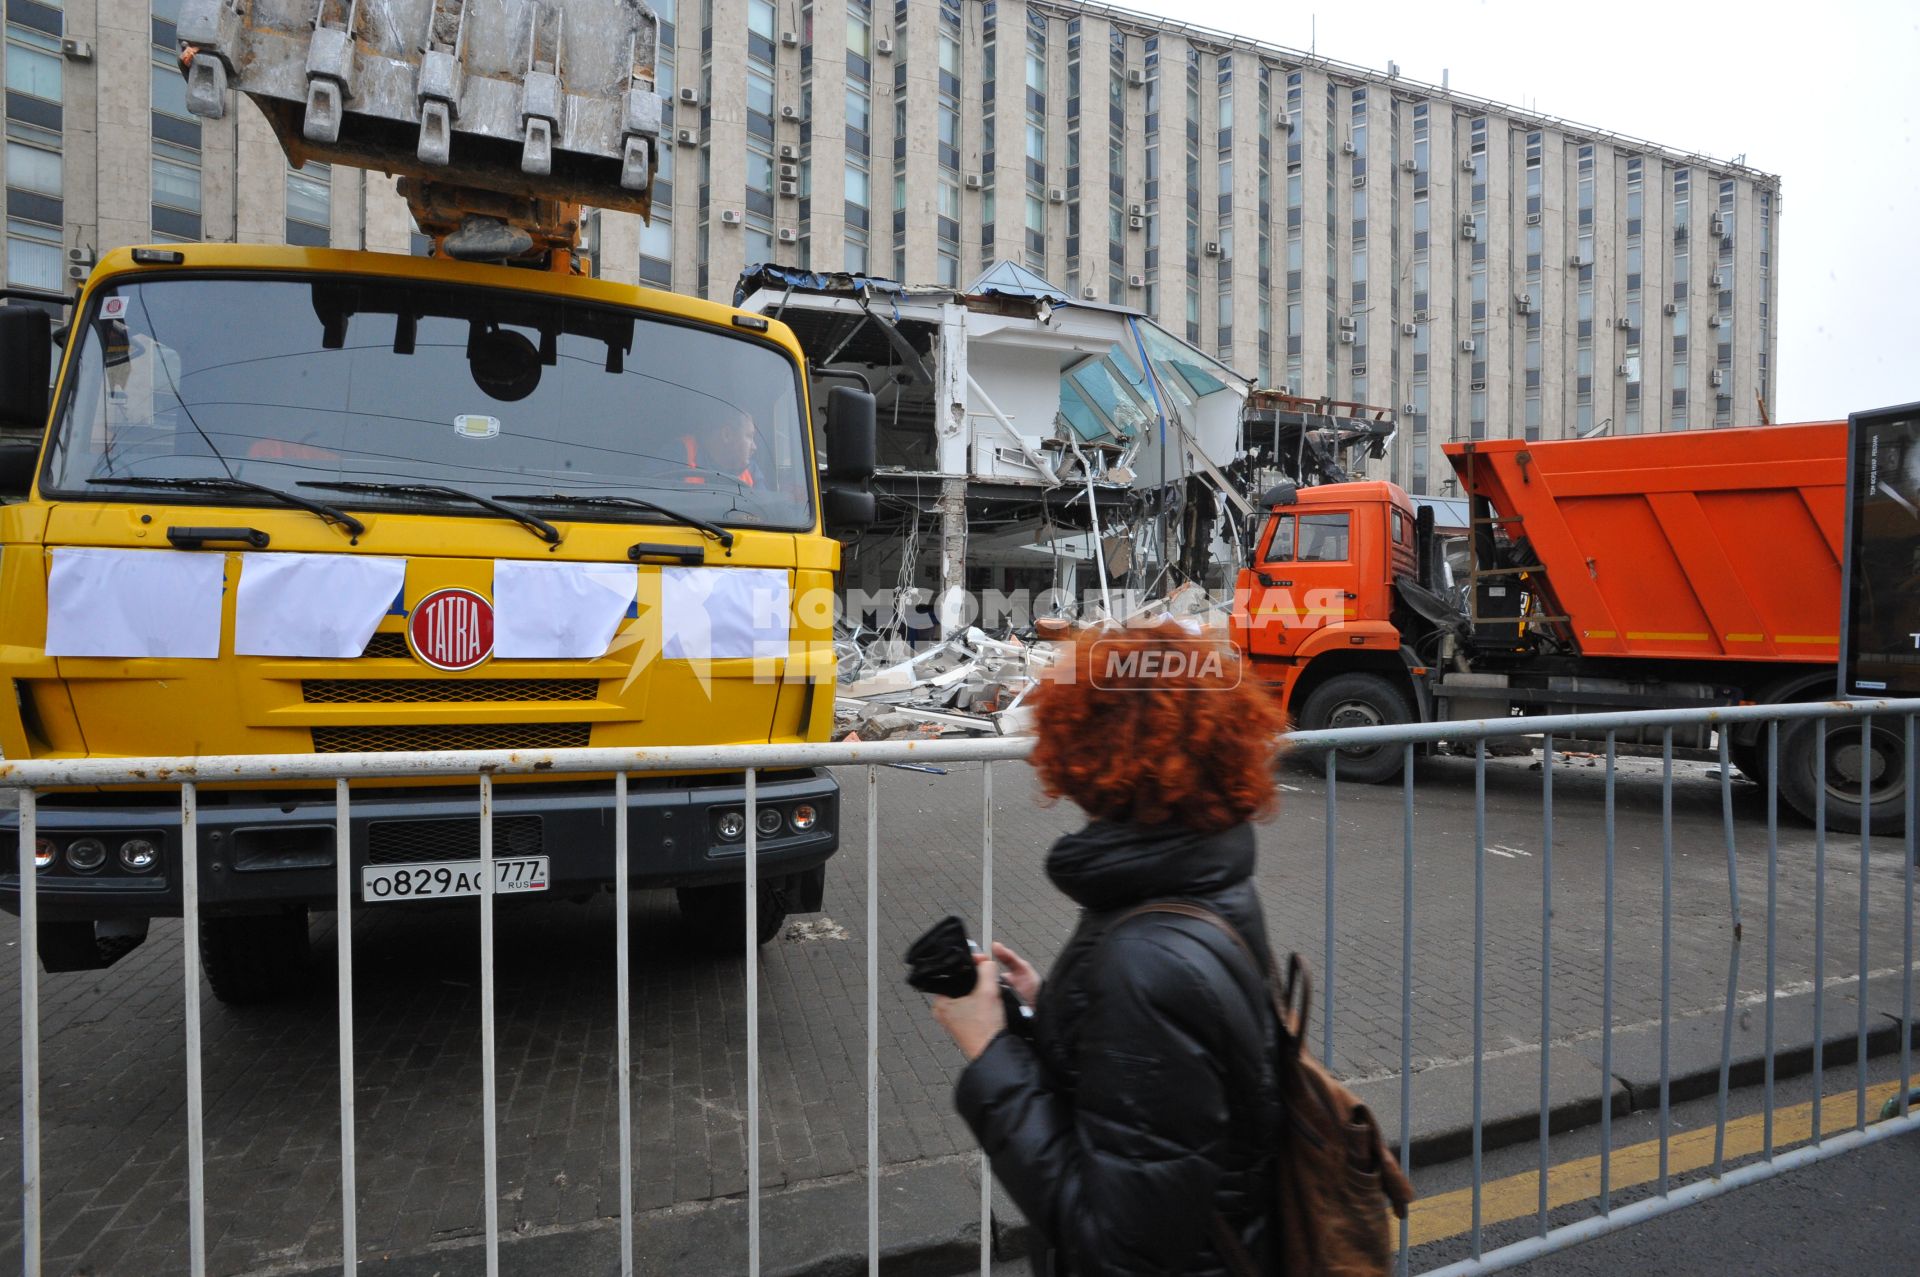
point(113, 1102)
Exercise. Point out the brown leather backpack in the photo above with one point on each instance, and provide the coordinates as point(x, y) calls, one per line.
point(1335, 1179)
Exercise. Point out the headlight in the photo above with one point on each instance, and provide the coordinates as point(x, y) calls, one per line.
point(44, 852)
point(732, 825)
point(139, 855)
point(804, 817)
point(769, 820)
point(86, 854)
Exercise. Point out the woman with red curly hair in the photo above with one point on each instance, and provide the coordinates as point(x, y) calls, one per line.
point(1134, 1126)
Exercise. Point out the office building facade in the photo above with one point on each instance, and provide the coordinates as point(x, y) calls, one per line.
point(1477, 270)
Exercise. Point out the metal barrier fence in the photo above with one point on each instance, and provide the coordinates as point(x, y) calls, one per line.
point(189, 773)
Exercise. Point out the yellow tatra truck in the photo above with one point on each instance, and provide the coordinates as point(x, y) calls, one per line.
point(265, 500)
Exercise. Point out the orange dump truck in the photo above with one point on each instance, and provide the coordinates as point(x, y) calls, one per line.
point(1644, 572)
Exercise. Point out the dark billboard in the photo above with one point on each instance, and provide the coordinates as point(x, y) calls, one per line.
point(1880, 639)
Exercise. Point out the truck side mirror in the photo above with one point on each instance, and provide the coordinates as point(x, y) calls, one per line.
point(852, 456)
point(26, 366)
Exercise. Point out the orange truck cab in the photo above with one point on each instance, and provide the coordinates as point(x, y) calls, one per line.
point(1669, 571)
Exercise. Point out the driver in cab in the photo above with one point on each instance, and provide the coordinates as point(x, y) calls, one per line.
point(720, 449)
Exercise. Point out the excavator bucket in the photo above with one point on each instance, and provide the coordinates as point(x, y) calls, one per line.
point(512, 109)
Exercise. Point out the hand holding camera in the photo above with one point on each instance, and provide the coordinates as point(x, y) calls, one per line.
point(945, 962)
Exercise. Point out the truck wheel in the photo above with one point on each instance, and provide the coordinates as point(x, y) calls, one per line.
point(716, 916)
point(255, 958)
point(1358, 700)
point(1883, 764)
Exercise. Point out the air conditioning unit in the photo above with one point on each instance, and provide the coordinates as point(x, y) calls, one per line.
point(1716, 280)
point(1524, 303)
point(1716, 224)
point(788, 235)
point(1715, 377)
point(730, 216)
point(788, 151)
point(1533, 219)
point(1406, 166)
point(686, 137)
point(973, 181)
point(77, 273)
point(1212, 248)
point(1348, 323)
point(1346, 339)
point(1284, 124)
point(1135, 77)
point(789, 172)
point(1466, 165)
point(1089, 292)
point(1136, 223)
point(883, 47)
point(1671, 308)
point(1468, 230)
point(1713, 321)
point(1409, 410)
point(1468, 346)
point(1056, 195)
point(1579, 259)
point(1623, 323)
point(1408, 330)
point(690, 95)
point(1136, 281)
point(1136, 210)
point(788, 40)
point(789, 113)
point(76, 49)
point(1476, 385)
point(1347, 148)
point(1624, 370)
point(80, 256)
point(789, 190)
point(1358, 370)
point(1359, 180)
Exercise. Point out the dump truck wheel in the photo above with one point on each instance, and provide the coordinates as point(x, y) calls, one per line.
point(255, 958)
point(1882, 763)
point(716, 917)
point(1358, 700)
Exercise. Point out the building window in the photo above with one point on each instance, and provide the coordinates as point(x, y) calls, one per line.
point(175, 211)
point(309, 205)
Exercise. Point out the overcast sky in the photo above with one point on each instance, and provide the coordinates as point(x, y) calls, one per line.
point(1823, 95)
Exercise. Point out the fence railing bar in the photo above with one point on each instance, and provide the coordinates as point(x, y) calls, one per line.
point(623, 1012)
point(873, 1021)
point(190, 953)
point(1733, 952)
point(1866, 873)
point(1546, 969)
point(1606, 1008)
point(489, 1083)
point(1906, 934)
point(1649, 1208)
point(1326, 961)
point(1406, 987)
point(29, 1035)
point(1819, 918)
point(986, 943)
point(1666, 949)
point(343, 945)
point(1479, 970)
point(1773, 918)
point(752, 963)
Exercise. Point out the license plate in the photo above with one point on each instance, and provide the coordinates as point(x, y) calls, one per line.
point(451, 878)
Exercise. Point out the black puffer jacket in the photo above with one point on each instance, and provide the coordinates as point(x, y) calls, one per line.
point(1147, 1100)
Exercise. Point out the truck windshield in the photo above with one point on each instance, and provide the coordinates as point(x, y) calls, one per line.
point(287, 381)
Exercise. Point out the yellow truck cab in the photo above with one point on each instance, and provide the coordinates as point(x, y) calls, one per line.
point(293, 501)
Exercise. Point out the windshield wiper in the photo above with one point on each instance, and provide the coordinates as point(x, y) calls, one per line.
point(354, 527)
point(713, 530)
point(539, 527)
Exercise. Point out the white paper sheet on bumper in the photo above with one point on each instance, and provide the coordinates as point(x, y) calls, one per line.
point(129, 603)
point(559, 611)
point(312, 605)
point(722, 613)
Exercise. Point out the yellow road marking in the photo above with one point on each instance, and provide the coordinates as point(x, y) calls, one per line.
point(1517, 1196)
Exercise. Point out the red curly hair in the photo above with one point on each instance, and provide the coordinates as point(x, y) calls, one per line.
point(1157, 723)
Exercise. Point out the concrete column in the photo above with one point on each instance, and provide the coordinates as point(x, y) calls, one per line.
point(262, 211)
point(619, 247)
point(388, 224)
point(123, 58)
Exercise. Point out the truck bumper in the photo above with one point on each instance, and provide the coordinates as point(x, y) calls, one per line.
point(261, 851)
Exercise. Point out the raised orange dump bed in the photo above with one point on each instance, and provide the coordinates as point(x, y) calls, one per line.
point(1700, 544)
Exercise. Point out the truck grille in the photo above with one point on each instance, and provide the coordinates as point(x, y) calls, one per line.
point(380, 739)
point(401, 842)
point(394, 691)
point(388, 645)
